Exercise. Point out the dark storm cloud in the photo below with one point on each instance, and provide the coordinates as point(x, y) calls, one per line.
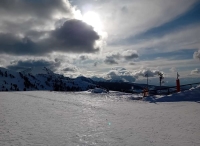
point(39, 27)
point(74, 36)
point(13, 44)
point(24, 64)
point(34, 8)
point(36, 34)
point(23, 16)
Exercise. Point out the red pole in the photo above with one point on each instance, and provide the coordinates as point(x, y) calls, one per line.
point(178, 88)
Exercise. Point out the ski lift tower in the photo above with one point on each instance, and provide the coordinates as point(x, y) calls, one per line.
point(178, 88)
point(160, 77)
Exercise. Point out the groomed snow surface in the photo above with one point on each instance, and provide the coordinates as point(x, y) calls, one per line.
point(44, 118)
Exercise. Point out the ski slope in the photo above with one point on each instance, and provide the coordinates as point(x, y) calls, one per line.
point(41, 118)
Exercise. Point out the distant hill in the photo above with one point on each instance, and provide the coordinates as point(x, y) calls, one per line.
point(124, 86)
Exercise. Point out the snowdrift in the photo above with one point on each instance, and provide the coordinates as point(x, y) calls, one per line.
point(192, 94)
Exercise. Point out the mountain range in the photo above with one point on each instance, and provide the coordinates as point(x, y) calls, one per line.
point(42, 78)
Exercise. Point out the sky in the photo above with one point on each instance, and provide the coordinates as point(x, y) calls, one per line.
point(103, 39)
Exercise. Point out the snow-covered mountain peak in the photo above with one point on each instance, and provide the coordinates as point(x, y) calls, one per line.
point(41, 78)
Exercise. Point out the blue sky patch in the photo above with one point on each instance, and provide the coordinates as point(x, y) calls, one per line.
point(190, 17)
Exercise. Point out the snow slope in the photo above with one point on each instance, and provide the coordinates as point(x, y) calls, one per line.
point(192, 94)
point(38, 118)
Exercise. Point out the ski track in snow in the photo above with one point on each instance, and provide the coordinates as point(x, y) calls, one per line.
point(41, 118)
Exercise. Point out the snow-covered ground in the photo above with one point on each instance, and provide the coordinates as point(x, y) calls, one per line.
point(41, 118)
point(192, 94)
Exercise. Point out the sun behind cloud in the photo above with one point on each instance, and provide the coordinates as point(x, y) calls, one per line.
point(93, 19)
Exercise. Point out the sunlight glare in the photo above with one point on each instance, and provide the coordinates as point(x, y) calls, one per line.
point(93, 19)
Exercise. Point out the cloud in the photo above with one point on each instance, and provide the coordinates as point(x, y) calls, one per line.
point(130, 54)
point(74, 36)
point(95, 64)
point(195, 72)
point(144, 14)
point(39, 27)
point(14, 44)
point(114, 55)
point(186, 38)
point(127, 55)
point(120, 74)
point(196, 55)
point(131, 63)
point(111, 58)
point(189, 17)
point(70, 69)
point(83, 57)
point(25, 64)
point(42, 8)
point(22, 16)
point(173, 69)
point(110, 61)
point(144, 72)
